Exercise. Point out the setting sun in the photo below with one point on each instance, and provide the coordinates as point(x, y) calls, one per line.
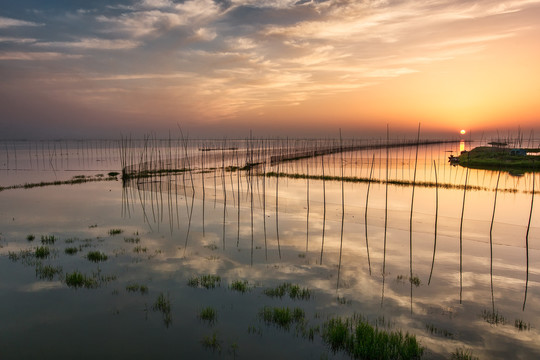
point(462, 132)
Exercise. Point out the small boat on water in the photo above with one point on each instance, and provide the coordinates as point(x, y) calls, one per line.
point(454, 160)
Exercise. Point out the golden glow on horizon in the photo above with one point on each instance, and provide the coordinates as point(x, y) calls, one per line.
point(462, 132)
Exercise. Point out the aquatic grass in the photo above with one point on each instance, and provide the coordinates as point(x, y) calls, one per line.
point(47, 272)
point(493, 317)
point(139, 249)
point(30, 237)
point(132, 240)
point(114, 232)
point(48, 239)
point(294, 291)
point(71, 250)
point(205, 281)
point(282, 317)
point(208, 314)
point(77, 279)
point(96, 256)
point(143, 289)
point(463, 354)
point(211, 343)
point(522, 325)
point(42, 252)
point(240, 286)
point(361, 340)
point(54, 183)
point(163, 305)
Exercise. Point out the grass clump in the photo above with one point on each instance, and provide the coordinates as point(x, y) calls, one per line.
point(30, 237)
point(77, 279)
point(163, 305)
point(294, 291)
point(240, 286)
point(493, 317)
point(49, 239)
point(143, 289)
point(282, 317)
point(521, 325)
point(463, 354)
point(113, 232)
point(361, 340)
point(208, 314)
point(47, 272)
point(205, 281)
point(96, 256)
point(139, 249)
point(132, 240)
point(212, 343)
point(71, 250)
point(42, 252)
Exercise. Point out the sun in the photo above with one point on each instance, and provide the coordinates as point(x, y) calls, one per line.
point(462, 132)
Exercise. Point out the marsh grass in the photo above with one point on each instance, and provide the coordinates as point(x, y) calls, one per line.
point(47, 272)
point(463, 354)
point(205, 281)
point(294, 291)
point(77, 279)
point(96, 256)
point(522, 325)
point(42, 252)
point(240, 286)
point(48, 239)
point(139, 249)
point(73, 181)
point(493, 317)
point(432, 329)
point(282, 317)
point(71, 250)
point(143, 289)
point(208, 314)
point(132, 240)
point(212, 343)
point(360, 340)
point(114, 232)
point(163, 305)
point(30, 237)
point(415, 280)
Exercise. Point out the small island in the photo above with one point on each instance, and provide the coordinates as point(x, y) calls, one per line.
point(496, 157)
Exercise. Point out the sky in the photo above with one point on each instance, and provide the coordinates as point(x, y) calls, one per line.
point(80, 68)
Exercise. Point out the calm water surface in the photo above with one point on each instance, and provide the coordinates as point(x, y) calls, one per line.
point(470, 293)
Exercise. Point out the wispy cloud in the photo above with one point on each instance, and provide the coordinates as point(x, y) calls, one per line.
point(93, 43)
point(9, 22)
point(36, 56)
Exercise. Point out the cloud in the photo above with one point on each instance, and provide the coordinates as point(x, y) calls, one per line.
point(93, 43)
point(36, 56)
point(17, 40)
point(9, 22)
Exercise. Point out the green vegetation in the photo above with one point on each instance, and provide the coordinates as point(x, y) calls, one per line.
point(463, 354)
point(73, 181)
point(208, 314)
point(282, 317)
point(132, 240)
point(76, 279)
point(50, 239)
point(96, 256)
point(47, 271)
point(211, 343)
point(493, 317)
point(113, 174)
point(30, 237)
point(495, 158)
point(139, 249)
point(361, 340)
point(143, 289)
point(163, 305)
point(522, 325)
point(71, 250)
point(294, 291)
point(113, 232)
point(42, 252)
point(205, 281)
point(150, 173)
point(240, 286)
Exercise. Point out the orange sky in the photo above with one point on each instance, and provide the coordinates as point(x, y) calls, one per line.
point(277, 67)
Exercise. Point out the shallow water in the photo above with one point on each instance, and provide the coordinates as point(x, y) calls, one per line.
point(184, 231)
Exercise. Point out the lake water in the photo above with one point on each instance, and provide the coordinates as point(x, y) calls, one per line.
point(445, 279)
